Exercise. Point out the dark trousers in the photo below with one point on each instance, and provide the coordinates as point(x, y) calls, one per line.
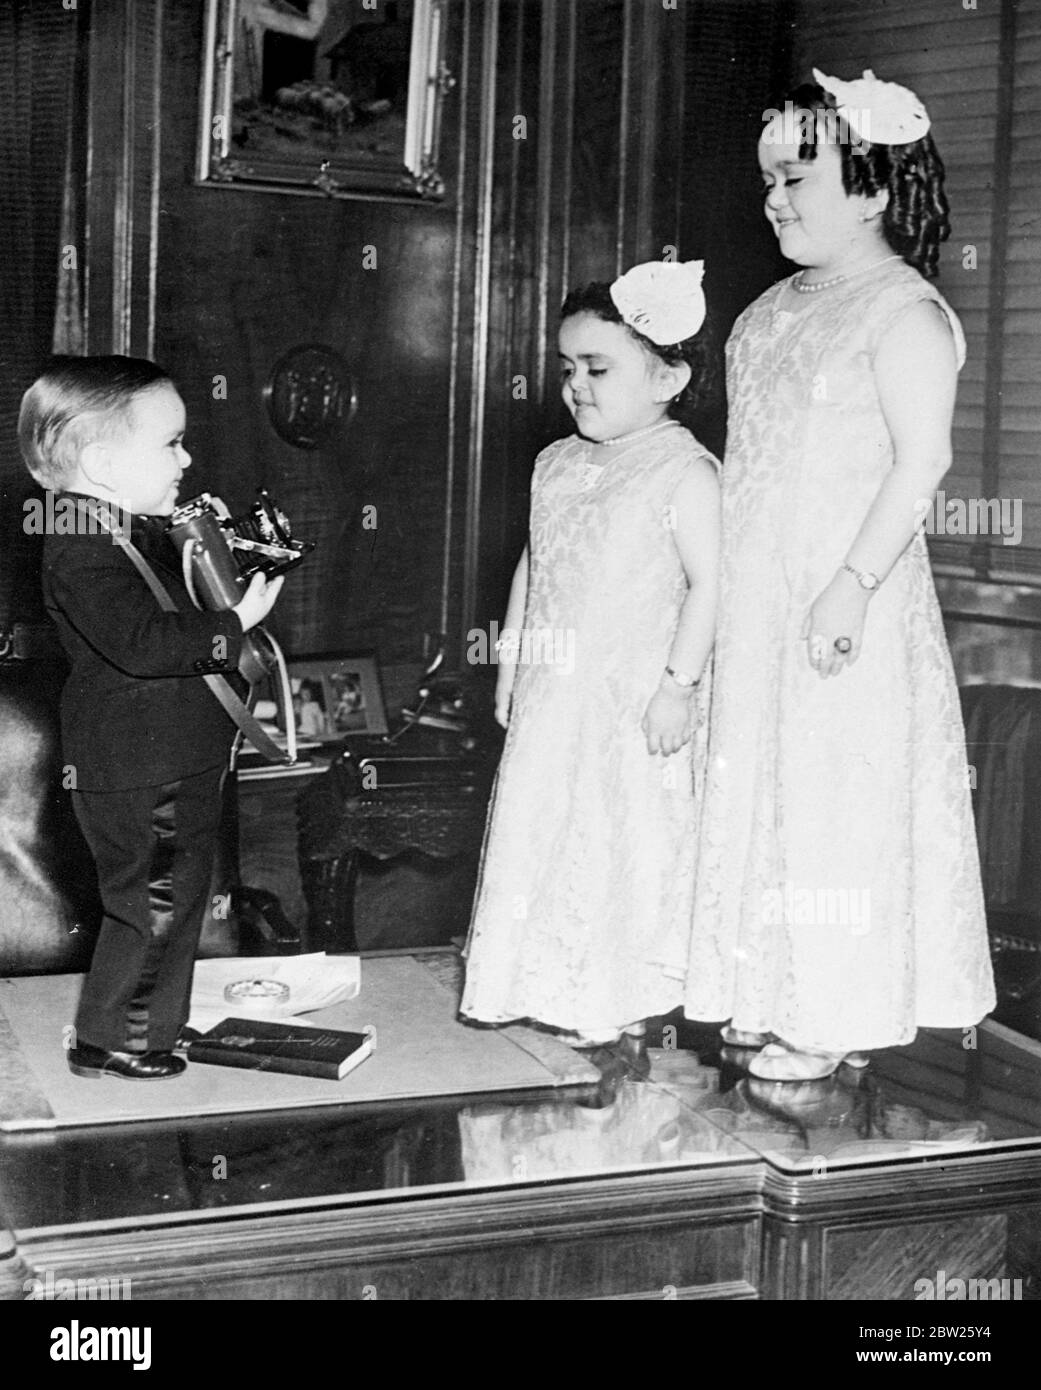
point(154, 849)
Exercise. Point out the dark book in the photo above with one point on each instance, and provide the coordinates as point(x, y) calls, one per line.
point(261, 1045)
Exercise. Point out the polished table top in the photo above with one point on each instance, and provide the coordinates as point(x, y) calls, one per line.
point(946, 1095)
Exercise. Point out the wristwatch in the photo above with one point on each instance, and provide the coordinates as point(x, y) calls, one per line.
point(682, 677)
point(864, 578)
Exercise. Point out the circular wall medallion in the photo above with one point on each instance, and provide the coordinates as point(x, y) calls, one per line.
point(310, 396)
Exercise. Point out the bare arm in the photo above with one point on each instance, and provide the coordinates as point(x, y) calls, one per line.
point(512, 624)
point(696, 535)
point(518, 600)
point(916, 375)
point(696, 532)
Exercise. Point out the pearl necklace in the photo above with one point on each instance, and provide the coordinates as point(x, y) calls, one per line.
point(593, 472)
point(638, 434)
point(801, 288)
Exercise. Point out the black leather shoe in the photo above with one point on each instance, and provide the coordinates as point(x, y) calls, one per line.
point(128, 1066)
point(185, 1037)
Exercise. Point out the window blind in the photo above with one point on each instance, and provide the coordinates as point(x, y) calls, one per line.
point(978, 70)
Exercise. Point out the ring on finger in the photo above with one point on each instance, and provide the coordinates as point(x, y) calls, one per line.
point(843, 645)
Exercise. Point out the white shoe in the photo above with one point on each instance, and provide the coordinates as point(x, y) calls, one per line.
point(737, 1037)
point(777, 1063)
point(602, 1037)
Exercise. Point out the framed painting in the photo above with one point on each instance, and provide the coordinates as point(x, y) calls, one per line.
point(340, 98)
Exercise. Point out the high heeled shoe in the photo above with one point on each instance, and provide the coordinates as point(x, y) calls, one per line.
point(587, 1042)
point(777, 1063)
point(603, 1037)
point(738, 1037)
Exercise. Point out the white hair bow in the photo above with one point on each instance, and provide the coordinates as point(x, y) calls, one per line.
point(882, 113)
point(663, 300)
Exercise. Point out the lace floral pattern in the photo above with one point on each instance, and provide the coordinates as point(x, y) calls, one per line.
point(838, 900)
point(582, 915)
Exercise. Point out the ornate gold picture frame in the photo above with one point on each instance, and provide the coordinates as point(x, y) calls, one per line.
point(341, 98)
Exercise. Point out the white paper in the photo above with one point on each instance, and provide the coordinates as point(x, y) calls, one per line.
point(315, 981)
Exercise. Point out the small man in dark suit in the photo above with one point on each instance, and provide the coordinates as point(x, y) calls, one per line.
point(145, 742)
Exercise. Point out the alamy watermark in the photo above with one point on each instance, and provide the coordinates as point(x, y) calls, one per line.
point(971, 516)
point(104, 1289)
point(56, 515)
point(951, 1290)
point(794, 906)
point(525, 646)
point(82, 1342)
point(798, 126)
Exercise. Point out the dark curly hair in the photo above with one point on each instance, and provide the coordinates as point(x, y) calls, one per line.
point(697, 352)
point(916, 219)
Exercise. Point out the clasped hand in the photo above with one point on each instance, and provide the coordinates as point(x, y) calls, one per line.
point(668, 721)
point(839, 612)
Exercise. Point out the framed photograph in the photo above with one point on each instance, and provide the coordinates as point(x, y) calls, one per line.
point(335, 697)
point(340, 98)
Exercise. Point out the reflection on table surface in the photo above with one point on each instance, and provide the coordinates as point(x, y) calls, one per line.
point(215, 1165)
point(635, 1124)
point(949, 1092)
point(698, 1108)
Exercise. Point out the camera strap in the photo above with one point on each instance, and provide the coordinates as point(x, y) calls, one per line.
point(235, 708)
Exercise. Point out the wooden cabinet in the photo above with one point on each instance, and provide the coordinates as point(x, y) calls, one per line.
point(734, 1229)
point(726, 1234)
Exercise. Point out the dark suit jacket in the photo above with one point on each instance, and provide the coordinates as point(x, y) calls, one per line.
point(135, 711)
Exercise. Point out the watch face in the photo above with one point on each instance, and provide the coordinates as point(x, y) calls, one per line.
point(869, 581)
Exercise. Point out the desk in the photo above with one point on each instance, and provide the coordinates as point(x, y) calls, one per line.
point(429, 805)
point(692, 1185)
point(270, 904)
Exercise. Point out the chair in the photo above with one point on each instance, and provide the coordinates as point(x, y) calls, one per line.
point(49, 908)
point(50, 911)
point(1003, 744)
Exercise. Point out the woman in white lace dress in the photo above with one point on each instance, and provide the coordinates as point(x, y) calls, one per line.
point(582, 915)
point(838, 902)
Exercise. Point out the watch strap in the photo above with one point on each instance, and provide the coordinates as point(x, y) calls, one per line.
point(864, 578)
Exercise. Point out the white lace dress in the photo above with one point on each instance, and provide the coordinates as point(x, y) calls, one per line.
point(583, 911)
point(838, 900)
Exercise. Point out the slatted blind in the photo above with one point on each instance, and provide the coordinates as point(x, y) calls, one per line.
point(1019, 464)
point(978, 70)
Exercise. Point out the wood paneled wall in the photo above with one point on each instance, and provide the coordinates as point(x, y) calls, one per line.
point(640, 121)
point(243, 276)
point(573, 149)
point(582, 136)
